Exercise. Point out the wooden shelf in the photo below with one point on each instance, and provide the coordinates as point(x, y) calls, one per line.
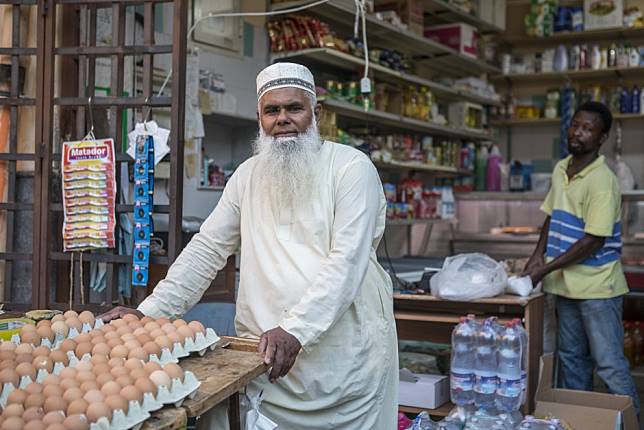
point(400, 122)
point(504, 299)
point(411, 165)
point(578, 36)
point(544, 121)
point(440, 10)
point(341, 15)
point(335, 58)
point(407, 222)
point(613, 73)
point(442, 411)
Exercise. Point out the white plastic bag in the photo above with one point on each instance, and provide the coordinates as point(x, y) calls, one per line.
point(255, 420)
point(469, 277)
point(521, 286)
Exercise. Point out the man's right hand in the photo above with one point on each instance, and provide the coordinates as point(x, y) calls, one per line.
point(119, 312)
point(534, 262)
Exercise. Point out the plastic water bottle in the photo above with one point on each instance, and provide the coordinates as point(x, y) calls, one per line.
point(485, 365)
point(524, 358)
point(462, 363)
point(508, 394)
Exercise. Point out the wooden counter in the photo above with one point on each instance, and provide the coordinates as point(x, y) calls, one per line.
point(222, 373)
point(425, 317)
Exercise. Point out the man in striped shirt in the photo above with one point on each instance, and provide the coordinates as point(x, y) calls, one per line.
point(578, 259)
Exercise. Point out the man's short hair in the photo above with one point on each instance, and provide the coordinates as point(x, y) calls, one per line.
point(601, 110)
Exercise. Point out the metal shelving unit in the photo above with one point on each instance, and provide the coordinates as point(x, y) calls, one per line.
point(562, 77)
point(577, 36)
point(440, 10)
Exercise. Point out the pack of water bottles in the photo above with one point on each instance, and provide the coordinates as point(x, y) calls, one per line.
point(488, 373)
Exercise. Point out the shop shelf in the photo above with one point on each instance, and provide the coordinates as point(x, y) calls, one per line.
point(442, 411)
point(564, 37)
point(543, 121)
point(411, 165)
point(441, 58)
point(400, 122)
point(614, 73)
point(443, 11)
point(335, 58)
point(407, 222)
point(636, 195)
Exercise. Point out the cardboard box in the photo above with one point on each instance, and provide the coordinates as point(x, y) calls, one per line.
point(411, 12)
point(422, 391)
point(582, 409)
point(603, 14)
point(460, 36)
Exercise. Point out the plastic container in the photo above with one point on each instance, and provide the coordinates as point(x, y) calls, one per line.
point(508, 394)
point(541, 182)
point(485, 365)
point(493, 171)
point(462, 363)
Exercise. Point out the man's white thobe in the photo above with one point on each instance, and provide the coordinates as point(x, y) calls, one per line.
point(312, 271)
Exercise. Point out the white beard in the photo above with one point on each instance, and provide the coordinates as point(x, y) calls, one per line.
point(285, 166)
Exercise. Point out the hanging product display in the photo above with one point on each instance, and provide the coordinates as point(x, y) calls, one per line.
point(89, 190)
point(143, 203)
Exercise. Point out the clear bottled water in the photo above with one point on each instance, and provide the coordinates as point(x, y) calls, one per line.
point(524, 358)
point(462, 363)
point(485, 365)
point(508, 395)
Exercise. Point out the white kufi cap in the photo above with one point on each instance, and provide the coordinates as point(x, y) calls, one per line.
point(284, 75)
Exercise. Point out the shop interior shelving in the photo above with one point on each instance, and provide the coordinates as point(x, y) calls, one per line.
point(544, 121)
point(437, 171)
point(570, 75)
point(441, 11)
point(618, 33)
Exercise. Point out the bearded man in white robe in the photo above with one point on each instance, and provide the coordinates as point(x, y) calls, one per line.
point(307, 216)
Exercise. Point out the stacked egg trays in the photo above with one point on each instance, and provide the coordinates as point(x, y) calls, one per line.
point(76, 373)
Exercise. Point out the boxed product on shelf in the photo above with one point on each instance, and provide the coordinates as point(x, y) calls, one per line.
point(493, 12)
point(410, 12)
point(459, 36)
point(466, 115)
point(422, 391)
point(603, 14)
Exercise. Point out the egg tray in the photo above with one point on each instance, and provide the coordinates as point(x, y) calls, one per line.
point(58, 339)
point(201, 342)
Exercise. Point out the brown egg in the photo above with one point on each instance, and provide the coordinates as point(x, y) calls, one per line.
point(134, 325)
point(98, 410)
point(127, 337)
point(151, 366)
point(13, 410)
point(35, 400)
point(24, 348)
point(35, 425)
point(7, 355)
point(186, 332)
point(66, 384)
point(84, 365)
point(8, 364)
point(52, 390)
point(70, 314)
point(74, 323)
point(45, 332)
point(145, 385)
point(99, 359)
point(144, 338)
point(56, 426)
point(17, 397)
point(59, 356)
point(76, 422)
point(104, 378)
point(162, 320)
point(119, 371)
point(30, 338)
point(89, 385)
point(152, 348)
point(138, 373)
point(175, 338)
point(72, 394)
point(7, 347)
point(68, 345)
point(58, 317)
point(132, 344)
point(83, 337)
point(43, 362)
point(131, 393)
point(138, 354)
point(101, 349)
point(146, 320)
point(168, 328)
point(124, 380)
point(97, 340)
point(110, 388)
point(179, 323)
point(123, 330)
point(118, 323)
point(139, 331)
point(174, 371)
point(33, 414)
point(151, 326)
point(101, 368)
point(86, 317)
point(24, 358)
point(133, 363)
point(26, 369)
point(61, 328)
point(41, 350)
point(51, 418)
point(67, 373)
point(113, 343)
point(51, 379)
point(13, 423)
point(119, 351)
point(85, 375)
point(82, 349)
point(116, 402)
point(156, 333)
point(43, 323)
point(93, 396)
point(34, 388)
point(130, 318)
point(54, 404)
point(78, 406)
point(107, 329)
point(163, 342)
point(159, 377)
